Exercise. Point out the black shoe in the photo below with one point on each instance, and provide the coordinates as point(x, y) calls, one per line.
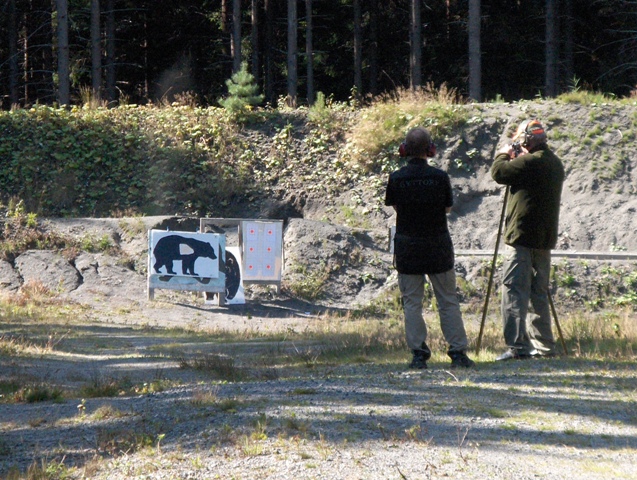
point(538, 354)
point(425, 351)
point(419, 361)
point(460, 359)
point(512, 354)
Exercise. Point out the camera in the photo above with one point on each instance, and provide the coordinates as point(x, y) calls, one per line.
point(517, 149)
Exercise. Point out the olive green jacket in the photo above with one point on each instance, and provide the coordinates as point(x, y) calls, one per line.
point(535, 180)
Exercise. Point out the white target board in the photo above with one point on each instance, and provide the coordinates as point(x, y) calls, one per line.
point(184, 253)
point(186, 261)
point(235, 294)
point(262, 243)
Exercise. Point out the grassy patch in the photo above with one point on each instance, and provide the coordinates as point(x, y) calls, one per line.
point(308, 284)
point(37, 393)
point(221, 366)
point(585, 97)
point(374, 138)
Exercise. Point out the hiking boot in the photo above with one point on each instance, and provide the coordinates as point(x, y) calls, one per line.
point(421, 356)
point(460, 359)
point(543, 354)
point(513, 354)
point(419, 360)
point(424, 348)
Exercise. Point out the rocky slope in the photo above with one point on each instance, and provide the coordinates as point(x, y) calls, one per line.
point(337, 226)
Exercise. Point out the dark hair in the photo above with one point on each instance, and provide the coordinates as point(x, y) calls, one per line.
point(418, 141)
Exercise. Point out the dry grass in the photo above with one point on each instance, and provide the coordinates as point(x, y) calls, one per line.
point(333, 347)
point(383, 125)
point(33, 292)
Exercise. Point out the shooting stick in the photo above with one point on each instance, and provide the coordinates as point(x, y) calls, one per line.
point(492, 272)
point(557, 323)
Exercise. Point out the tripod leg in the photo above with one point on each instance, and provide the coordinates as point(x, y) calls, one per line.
point(490, 284)
point(557, 323)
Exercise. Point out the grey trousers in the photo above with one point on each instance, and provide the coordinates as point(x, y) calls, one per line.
point(412, 288)
point(526, 279)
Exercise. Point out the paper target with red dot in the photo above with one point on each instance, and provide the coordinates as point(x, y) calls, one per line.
point(262, 242)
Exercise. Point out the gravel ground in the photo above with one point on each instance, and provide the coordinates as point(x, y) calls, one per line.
point(562, 418)
point(552, 418)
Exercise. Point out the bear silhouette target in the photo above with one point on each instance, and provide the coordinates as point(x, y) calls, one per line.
point(233, 275)
point(167, 251)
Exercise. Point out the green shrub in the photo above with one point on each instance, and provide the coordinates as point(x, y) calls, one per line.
point(584, 97)
point(242, 93)
point(100, 162)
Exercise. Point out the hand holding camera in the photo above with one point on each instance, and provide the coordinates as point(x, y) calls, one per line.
point(513, 149)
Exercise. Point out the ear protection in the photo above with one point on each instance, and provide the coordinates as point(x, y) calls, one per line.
point(431, 149)
point(403, 152)
point(530, 130)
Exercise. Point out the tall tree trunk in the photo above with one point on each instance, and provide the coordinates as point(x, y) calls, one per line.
point(226, 48)
point(358, 50)
point(448, 18)
point(292, 54)
point(475, 52)
point(373, 47)
point(38, 37)
point(14, 73)
point(569, 69)
point(309, 52)
point(111, 92)
point(26, 60)
point(236, 36)
point(268, 55)
point(415, 42)
point(96, 50)
point(551, 48)
point(145, 66)
point(64, 82)
point(48, 83)
point(254, 38)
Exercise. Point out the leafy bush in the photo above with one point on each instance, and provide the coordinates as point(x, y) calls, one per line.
point(98, 162)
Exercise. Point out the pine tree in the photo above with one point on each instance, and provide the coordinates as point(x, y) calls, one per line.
point(243, 92)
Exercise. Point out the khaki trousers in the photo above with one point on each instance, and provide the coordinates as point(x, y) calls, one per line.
point(412, 288)
point(525, 280)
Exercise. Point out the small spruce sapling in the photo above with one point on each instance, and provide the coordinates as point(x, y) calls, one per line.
point(242, 92)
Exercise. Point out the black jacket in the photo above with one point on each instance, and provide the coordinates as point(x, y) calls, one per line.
point(421, 194)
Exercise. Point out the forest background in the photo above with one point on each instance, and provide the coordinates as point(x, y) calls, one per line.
point(122, 51)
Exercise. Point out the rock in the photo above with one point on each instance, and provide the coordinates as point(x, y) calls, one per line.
point(9, 278)
point(49, 268)
point(103, 278)
point(346, 265)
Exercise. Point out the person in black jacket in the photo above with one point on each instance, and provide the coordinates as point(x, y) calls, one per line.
point(535, 179)
point(422, 197)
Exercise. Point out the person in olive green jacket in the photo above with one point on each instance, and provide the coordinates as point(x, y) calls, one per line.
point(534, 175)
